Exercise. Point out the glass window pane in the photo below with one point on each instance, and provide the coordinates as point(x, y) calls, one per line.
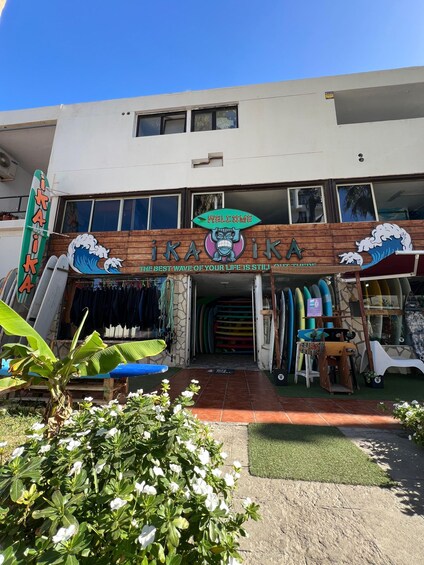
point(226, 119)
point(202, 121)
point(164, 212)
point(105, 215)
point(306, 205)
point(135, 214)
point(204, 202)
point(148, 125)
point(173, 124)
point(77, 216)
point(399, 200)
point(270, 206)
point(356, 203)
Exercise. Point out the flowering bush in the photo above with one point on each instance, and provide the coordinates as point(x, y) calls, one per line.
point(139, 484)
point(411, 415)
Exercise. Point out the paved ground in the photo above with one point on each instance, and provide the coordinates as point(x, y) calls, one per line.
point(323, 524)
point(248, 396)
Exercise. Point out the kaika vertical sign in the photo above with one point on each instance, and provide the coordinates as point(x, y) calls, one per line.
point(35, 234)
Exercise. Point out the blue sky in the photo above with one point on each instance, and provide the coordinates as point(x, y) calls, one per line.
point(63, 51)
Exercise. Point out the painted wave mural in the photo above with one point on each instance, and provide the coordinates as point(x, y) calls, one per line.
point(385, 240)
point(86, 257)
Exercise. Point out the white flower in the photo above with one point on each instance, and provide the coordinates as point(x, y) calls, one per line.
point(158, 472)
point(414, 402)
point(1, 559)
point(236, 475)
point(217, 472)
point(201, 487)
point(187, 394)
point(237, 465)
point(83, 434)
point(88, 399)
point(132, 395)
point(112, 432)
point(140, 391)
point(3, 444)
point(200, 472)
point(233, 561)
point(147, 536)
point(187, 493)
point(64, 534)
point(223, 506)
point(113, 413)
point(177, 408)
point(160, 418)
point(194, 381)
point(229, 480)
point(175, 468)
point(150, 490)
point(99, 467)
point(37, 437)
point(17, 453)
point(224, 455)
point(134, 523)
point(247, 502)
point(37, 427)
point(165, 381)
point(147, 435)
point(73, 444)
point(173, 487)
point(190, 446)
point(212, 501)
point(145, 489)
point(204, 456)
point(117, 503)
point(410, 438)
point(76, 468)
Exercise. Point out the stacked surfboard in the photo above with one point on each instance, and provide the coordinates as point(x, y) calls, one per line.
point(224, 326)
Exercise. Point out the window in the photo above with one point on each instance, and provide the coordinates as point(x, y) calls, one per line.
point(270, 205)
point(105, 215)
point(123, 214)
point(356, 203)
point(306, 205)
point(161, 124)
point(135, 214)
point(214, 118)
point(77, 216)
point(164, 212)
point(205, 202)
point(399, 200)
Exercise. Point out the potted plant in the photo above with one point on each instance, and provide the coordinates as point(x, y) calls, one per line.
point(373, 380)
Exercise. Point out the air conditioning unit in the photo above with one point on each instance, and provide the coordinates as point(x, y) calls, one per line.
point(8, 166)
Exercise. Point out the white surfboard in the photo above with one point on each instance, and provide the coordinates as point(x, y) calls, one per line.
point(8, 283)
point(41, 290)
point(53, 297)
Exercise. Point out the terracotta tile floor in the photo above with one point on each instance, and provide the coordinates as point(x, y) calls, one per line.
point(248, 396)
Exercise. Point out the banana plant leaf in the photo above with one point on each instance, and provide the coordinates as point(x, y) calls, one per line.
point(13, 324)
point(107, 359)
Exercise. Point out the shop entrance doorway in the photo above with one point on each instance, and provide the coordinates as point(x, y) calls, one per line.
point(222, 328)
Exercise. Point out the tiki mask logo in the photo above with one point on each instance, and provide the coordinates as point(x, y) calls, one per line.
point(224, 243)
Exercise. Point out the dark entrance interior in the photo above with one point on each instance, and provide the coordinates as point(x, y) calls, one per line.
point(223, 322)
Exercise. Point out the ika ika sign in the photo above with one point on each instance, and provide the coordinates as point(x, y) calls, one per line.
point(35, 234)
point(224, 242)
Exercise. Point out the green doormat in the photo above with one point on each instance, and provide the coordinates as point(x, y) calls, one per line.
point(310, 453)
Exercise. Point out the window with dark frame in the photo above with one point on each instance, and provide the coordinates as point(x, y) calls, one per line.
point(98, 215)
point(209, 119)
point(161, 124)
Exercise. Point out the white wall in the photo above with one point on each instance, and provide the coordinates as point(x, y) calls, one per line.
point(287, 132)
point(10, 245)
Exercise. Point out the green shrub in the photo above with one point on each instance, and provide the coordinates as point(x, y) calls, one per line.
point(133, 484)
point(411, 415)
